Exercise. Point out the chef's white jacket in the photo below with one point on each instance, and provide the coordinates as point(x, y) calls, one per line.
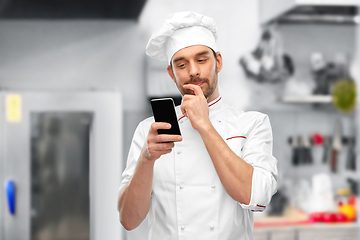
point(188, 200)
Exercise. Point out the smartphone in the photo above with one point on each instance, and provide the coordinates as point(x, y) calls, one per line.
point(164, 111)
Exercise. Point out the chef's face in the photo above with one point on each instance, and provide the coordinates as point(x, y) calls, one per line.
point(196, 65)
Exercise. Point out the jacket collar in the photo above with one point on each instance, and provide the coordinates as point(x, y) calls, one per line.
point(215, 104)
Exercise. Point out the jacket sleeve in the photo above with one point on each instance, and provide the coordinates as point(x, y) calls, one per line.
point(257, 151)
point(137, 143)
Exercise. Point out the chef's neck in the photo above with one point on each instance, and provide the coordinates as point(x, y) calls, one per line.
point(213, 96)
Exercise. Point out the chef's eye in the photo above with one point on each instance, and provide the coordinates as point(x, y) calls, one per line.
point(202, 60)
point(181, 65)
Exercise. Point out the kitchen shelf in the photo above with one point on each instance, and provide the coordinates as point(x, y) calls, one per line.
point(304, 18)
point(328, 2)
point(275, 9)
point(308, 99)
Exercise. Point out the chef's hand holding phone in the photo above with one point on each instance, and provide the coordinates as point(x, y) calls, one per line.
point(164, 131)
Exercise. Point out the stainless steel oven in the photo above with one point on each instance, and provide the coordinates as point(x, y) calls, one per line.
point(60, 165)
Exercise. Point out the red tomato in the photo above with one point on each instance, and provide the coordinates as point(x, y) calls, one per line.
point(317, 216)
point(329, 217)
point(340, 217)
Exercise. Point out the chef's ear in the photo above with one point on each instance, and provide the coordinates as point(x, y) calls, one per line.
point(170, 72)
point(219, 61)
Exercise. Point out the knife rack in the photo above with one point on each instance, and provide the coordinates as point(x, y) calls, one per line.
point(344, 140)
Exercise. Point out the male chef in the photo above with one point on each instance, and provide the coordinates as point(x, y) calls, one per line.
point(207, 183)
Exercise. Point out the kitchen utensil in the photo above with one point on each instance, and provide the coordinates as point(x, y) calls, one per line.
point(295, 150)
point(268, 63)
point(301, 151)
point(317, 139)
point(307, 154)
point(351, 155)
point(336, 146)
point(327, 148)
point(319, 67)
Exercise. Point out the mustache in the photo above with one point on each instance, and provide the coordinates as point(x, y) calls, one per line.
point(196, 80)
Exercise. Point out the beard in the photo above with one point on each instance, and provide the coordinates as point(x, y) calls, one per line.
point(208, 88)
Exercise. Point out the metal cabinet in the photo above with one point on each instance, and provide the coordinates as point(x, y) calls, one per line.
point(62, 152)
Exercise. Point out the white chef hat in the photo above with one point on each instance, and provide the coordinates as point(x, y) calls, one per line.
point(180, 30)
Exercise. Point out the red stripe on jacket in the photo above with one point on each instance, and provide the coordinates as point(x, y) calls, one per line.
point(236, 137)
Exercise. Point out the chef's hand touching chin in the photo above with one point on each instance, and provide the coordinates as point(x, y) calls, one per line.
point(156, 144)
point(195, 108)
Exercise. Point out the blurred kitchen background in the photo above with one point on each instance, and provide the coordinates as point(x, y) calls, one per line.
point(75, 81)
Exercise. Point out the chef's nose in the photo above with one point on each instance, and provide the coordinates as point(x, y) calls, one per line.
point(194, 70)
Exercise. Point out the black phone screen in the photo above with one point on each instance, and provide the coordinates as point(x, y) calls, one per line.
point(164, 111)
